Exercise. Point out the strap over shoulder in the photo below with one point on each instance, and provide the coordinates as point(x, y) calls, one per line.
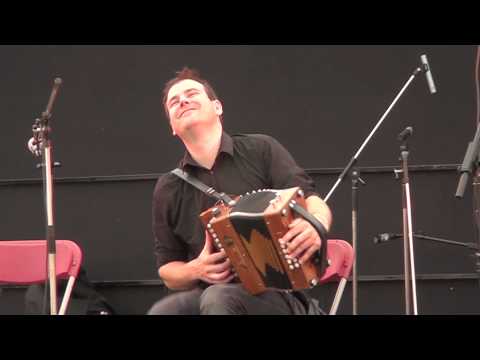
point(210, 191)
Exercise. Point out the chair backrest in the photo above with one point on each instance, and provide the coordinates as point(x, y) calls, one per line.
point(340, 257)
point(24, 261)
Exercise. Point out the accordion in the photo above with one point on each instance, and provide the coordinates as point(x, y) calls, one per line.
point(249, 232)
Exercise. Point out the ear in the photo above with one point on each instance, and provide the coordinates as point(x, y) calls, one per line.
point(218, 107)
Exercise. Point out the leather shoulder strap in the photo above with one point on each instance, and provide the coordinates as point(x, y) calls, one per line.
point(192, 180)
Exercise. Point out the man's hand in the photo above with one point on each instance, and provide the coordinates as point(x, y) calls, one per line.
point(213, 267)
point(302, 240)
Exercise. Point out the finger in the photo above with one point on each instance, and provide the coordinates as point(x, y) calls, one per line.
point(308, 254)
point(297, 226)
point(217, 268)
point(215, 257)
point(230, 278)
point(224, 281)
point(220, 276)
point(300, 249)
point(208, 247)
point(291, 234)
point(295, 222)
point(207, 234)
point(300, 238)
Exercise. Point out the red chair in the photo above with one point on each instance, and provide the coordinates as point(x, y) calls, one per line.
point(340, 258)
point(23, 262)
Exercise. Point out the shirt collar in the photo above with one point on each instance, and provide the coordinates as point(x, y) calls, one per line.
point(226, 146)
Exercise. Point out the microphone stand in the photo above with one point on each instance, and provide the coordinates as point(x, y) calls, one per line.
point(472, 246)
point(469, 245)
point(355, 175)
point(353, 161)
point(44, 148)
point(409, 263)
point(471, 165)
point(476, 214)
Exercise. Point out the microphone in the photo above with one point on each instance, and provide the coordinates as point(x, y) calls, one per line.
point(428, 74)
point(53, 95)
point(380, 238)
point(405, 133)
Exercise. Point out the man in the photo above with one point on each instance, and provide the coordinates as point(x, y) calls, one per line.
point(187, 263)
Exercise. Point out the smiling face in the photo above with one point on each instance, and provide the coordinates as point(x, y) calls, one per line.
point(188, 106)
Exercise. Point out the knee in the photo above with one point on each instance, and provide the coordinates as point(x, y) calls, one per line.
point(156, 309)
point(212, 294)
point(162, 307)
point(182, 303)
point(221, 299)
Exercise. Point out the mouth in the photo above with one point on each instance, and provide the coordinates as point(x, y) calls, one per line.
point(185, 112)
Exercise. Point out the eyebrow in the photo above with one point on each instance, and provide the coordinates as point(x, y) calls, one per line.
point(176, 96)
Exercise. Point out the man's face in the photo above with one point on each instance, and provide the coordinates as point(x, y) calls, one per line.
point(188, 105)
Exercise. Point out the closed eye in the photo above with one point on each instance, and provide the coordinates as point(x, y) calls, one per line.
point(191, 93)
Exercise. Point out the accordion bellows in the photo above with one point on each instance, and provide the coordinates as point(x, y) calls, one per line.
point(249, 232)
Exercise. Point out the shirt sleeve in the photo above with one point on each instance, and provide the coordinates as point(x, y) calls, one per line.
point(167, 247)
point(284, 171)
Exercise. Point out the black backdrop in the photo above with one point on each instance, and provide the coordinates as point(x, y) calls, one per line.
point(320, 101)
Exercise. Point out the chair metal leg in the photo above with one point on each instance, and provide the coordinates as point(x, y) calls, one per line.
point(338, 296)
point(66, 296)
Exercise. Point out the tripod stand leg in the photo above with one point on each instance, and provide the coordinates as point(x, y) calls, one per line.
point(476, 215)
point(355, 179)
point(406, 265)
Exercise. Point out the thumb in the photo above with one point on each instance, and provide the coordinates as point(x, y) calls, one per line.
point(208, 247)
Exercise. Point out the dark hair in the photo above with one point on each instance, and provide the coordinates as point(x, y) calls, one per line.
point(187, 73)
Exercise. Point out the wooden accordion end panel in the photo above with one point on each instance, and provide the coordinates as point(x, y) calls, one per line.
point(249, 233)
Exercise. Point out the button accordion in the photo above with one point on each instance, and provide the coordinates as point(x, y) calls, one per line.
point(249, 232)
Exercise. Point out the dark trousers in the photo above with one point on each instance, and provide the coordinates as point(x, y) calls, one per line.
point(228, 299)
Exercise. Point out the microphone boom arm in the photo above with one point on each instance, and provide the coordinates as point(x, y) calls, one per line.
point(387, 236)
point(353, 160)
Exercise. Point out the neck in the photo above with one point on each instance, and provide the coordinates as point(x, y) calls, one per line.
point(203, 146)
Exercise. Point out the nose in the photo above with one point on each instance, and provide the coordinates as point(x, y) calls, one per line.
point(184, 101)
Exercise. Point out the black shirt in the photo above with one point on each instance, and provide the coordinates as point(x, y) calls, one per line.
point(244, 163)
